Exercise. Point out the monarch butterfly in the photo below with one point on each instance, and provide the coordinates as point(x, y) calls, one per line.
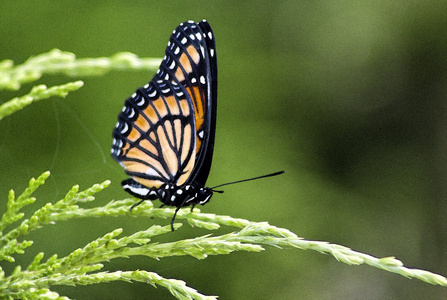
point(164, 137)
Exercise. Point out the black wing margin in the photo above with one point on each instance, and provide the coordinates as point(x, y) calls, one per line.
point(190, 61)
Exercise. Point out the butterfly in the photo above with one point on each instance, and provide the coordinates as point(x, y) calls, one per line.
point(164, 137)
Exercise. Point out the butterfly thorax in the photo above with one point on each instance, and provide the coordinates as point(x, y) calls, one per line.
point(170, 194)
point(180, 196)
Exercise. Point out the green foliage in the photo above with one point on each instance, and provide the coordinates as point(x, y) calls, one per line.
point(84, 266)
point(60, 62)
point(38, 92)
point(81, 267)
point(63, 62)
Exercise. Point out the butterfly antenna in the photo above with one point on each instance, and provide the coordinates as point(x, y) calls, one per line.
point(249, 179)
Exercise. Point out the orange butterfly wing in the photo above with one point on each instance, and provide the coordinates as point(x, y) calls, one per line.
point(165, 132)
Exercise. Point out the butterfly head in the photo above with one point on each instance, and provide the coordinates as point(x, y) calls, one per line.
point(204, 195)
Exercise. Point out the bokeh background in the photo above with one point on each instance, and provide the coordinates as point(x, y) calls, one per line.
point(349, 97)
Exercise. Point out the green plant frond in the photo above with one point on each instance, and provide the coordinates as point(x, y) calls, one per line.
point(45, 215)
point(250, 238)
point(177, 288)
point(15, 205)
point(83, 265)
point(37, 93)
point(63, 62)
point(33, 293)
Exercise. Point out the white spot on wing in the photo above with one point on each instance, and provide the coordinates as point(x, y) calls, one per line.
point(117, 143)
point(132, 113)
point(125, 128)
point(142, 191)
point(202, 80)
point(183, 41)
point(202, 50)
point(141, 102)
point(153, 94)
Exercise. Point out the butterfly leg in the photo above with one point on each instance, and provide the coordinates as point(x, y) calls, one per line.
point(176, 211)
point(136, 204)
point(173, 217)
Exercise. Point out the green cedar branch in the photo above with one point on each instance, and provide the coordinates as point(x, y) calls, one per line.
point(63, 62)
point(38, 92)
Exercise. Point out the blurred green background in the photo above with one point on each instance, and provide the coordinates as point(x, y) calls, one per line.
point(347, 96)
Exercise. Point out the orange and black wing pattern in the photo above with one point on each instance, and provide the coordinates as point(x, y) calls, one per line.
point(154, 139)
point(190, 60)
point(165, 131)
